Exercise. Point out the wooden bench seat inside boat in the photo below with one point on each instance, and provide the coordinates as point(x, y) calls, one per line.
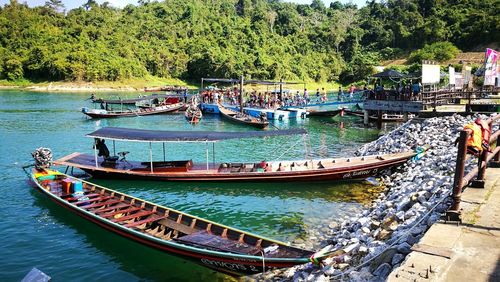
point(171, 166)
point(206, 239)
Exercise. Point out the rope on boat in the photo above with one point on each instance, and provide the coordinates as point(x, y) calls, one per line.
point(287, 150)
point(42, 157)
point(263, 262)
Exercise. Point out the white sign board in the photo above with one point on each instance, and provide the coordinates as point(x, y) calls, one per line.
point(451, 71)
point(430, 74)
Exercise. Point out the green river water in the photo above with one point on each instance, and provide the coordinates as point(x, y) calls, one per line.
point(34, 232)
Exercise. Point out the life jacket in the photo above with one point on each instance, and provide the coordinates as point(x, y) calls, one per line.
point(485, 130)
point(474, 142)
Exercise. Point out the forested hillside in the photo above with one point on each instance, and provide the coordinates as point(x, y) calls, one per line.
point(189, 39)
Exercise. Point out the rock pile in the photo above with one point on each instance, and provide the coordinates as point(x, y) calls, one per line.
point(369, 245)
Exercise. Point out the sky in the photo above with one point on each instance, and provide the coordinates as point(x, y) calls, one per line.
point(71, 4)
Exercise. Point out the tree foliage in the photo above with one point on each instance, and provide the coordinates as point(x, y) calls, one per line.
point(262, 39)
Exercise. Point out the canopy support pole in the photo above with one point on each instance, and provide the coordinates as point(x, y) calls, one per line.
point(305, 146)
point(206, 147)
point(95, 155)
point(241, 94)
point(151, 156)
point(163, 151)
point(114, 148)
point(213, 152)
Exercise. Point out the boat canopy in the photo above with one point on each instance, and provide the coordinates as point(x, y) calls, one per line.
point(143, 135)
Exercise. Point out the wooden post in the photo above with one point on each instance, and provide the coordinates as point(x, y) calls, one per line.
point(151, 156)
point(281, 90)
point(468, 107)
point(164, 151)
point(379, 119)
point(496, 159)
point(459, 170)
point(241, 94)
point(435, 101)
point(95, 154)
point(365, 117)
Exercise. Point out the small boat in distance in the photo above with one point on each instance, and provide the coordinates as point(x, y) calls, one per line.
point(323, 113)
point(130, 101)
point(201, 241)
point(169, 88)
point(385, 117)
point(242, 118)
point(331, 169)
point(103, 113)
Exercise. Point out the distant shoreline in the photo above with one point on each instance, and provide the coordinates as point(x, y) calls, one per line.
point(139, 85)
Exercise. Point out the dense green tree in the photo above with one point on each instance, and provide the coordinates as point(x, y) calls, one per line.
point(262, 39)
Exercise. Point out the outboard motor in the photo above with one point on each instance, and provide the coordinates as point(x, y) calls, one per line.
point(43, 158)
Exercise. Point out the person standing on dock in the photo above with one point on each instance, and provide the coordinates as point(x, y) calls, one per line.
point(324, 98)
point(340, 94)
point(317, 96)
point(306, 96)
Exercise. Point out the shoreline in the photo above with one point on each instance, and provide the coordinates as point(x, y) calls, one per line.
point(139, 86)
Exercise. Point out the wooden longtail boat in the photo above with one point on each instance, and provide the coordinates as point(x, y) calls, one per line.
point(130, 101)
point(327, 113)
point(97, 113)
point(207, 243)
point(186, 170)
point(385, 117)
point(239, 117)
point(165, 88)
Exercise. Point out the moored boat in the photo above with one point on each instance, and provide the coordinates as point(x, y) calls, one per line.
point(323, 113)
point(207, 243)
point(242, 118)
point(102, 113)
point(185, 170)
point(385, 117)
point(129, 101)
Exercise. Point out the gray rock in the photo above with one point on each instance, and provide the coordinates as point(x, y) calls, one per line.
point(397, 258)
point(385, 257)
point(404, 248)
point(411, 240)
point(383, 270)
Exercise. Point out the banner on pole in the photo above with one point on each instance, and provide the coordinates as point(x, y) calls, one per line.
point(490, 67)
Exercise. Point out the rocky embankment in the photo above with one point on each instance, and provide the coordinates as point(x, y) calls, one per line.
point(367, 246)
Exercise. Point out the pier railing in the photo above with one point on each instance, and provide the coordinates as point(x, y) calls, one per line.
point(479, 172)
point(449, 97)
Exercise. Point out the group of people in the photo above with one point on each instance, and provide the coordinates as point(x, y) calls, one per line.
point(400, 91)
point(266, 99)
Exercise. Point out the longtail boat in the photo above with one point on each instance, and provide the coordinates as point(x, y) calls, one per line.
point(130, 101)
point(323, 113)
point(243, 118)
point(385, 117)
point(207, 243)
point(187, 170)
point(165, 88)
point(102, 113)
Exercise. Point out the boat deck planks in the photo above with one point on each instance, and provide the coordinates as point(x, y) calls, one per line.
point(227, 249)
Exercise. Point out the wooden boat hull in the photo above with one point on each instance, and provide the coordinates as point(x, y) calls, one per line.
point(142, 112)
point(247, 119)
point(226, 262)
point(344, 169)
point(329, 113)
point(374, 118)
